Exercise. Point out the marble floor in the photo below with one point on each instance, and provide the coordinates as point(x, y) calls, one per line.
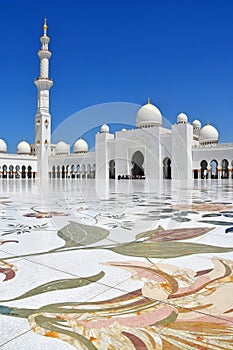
point(128, 265)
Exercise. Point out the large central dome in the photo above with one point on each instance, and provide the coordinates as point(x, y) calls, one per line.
point(148, 116)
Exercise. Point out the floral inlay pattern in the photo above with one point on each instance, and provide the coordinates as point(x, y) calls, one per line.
point(132, 271)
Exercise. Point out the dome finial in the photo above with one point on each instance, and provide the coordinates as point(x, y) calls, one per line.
point(45, 27)
point(148, 101)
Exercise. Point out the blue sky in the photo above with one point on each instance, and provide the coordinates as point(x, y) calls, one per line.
point(180, 53)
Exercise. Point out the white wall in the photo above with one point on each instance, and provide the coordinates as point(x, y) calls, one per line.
point(102, 154)
point(182, 140)
point(18, 160)
point(217, 152)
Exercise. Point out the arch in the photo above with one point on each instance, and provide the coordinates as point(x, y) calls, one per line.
point(11, 172)
point(4, 171)
point(167, 170)
point(23, 173)
point(72, 171)
point(63, 171)
point(112, 169)
point(89, 170)
point(214, 169)
point(225, 169)
point(53, 172)
point(17, 172)
point(137, 162)
point(78, 171)
point(83, 171)
point(29, 172)
point(58, 172)
point(67, 175)
point(204, 170)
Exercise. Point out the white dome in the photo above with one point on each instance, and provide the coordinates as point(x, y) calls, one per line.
point(196, 124)
point(80, 146)
point(61, 148)
point(23, 148)
point(3, 146)
point(104, 129)
point(123, 129)
point(182, 118)
point(208, 134)
point(148, 116)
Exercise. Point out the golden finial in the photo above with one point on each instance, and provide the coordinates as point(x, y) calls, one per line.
point(45, 27)
point(208, 123)
point(148, 101)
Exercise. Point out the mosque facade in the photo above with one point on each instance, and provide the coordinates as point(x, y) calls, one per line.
point(184, 151)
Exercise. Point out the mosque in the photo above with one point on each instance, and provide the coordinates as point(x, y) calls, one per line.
point(185, 151)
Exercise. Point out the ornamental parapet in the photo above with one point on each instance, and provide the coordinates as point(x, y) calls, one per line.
point(214, 145)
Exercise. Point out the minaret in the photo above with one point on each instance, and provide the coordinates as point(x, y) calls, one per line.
point(43, 117)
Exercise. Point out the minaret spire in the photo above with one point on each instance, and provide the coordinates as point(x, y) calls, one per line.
point(45, 27)
point(43, 117)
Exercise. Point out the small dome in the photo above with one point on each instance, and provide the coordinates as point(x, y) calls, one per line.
point(61, 148)
point(148, 116)
point(208, 134)
point(196, 124)
point(23, 148)
point(182, 118)
point(80, 146)
point(123, 129)
point(3, 146)
point(104, 129)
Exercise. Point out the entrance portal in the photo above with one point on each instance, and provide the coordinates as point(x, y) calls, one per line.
point(137, 161)
point(204, 170)
point(112, 169)
point(214, 169)
point(167, 170)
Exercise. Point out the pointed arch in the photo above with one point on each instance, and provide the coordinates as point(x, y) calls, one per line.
point(4, 171)
point(89, 170)
point(204, 170)
point(137, 161)
point(72, 171)
point(17, 172)
point(23, 173)
point(214, 169)
point(83, 171)
point(225, 169)
point(112, 169)
point(29, 172)
point(167, 170)
point(58, 172)
point(11, 171)
point(78, 171)
point(63, 171)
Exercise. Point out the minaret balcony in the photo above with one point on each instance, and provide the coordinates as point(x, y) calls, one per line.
point(44, 39)
point(44, 54)
point(43, 83)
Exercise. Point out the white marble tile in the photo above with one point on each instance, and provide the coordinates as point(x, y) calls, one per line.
point(11, 328)
point(31, 340)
